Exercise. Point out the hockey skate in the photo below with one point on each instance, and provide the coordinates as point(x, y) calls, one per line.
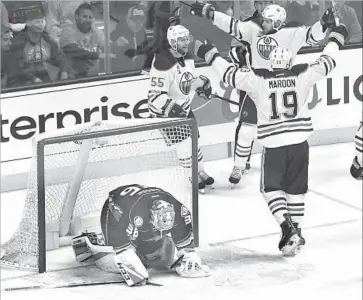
point(203, 177)
point(235, 176)
point(248, 167)
point(290, 240)
point(302, 242)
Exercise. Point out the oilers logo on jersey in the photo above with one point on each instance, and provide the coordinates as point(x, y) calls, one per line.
point(265, 45)
point(185, 83)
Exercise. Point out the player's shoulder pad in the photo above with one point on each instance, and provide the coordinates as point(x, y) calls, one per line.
point(254, 20)
point(299, 69)
point(265, 73)
point(165, 60)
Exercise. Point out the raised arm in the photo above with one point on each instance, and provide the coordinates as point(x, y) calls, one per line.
point(234, 27)
point(326, 62)
point(239, 78)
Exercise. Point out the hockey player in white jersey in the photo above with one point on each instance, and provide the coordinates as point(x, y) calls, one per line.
point(284, 124)
point(173, 81)
point(263, 35)
point(356, 169)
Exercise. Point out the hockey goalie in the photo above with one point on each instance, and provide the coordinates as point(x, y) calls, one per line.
point(142, 227)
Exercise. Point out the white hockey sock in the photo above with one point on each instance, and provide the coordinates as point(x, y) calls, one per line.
point(296, 207)
point(184, 151)
point(241, 154)
point(277, 204)
point(359, 145)
point(200, 160)
point(243, 147)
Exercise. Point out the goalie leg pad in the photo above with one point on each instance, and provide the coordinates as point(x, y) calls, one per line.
point(131, 268)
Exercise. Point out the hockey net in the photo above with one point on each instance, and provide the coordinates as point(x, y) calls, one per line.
point(72, 172)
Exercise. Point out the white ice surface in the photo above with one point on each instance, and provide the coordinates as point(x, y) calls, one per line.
point(239, 240)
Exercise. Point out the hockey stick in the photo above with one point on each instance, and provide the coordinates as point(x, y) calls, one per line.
point(144, 72)
point(71, 285)
point(184, 3)
point(176, 262)
point(225, 99)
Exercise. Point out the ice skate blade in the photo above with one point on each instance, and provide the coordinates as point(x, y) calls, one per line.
point(233, 185)
point(210, 186)
point(293, 249)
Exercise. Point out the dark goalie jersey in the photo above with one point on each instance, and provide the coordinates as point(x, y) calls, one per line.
point(125, 220)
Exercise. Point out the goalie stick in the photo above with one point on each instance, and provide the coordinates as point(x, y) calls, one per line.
point(71, 285)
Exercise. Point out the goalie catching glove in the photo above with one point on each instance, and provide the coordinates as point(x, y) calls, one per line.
point(206, 51)
point(90, 247)
point(190, 264)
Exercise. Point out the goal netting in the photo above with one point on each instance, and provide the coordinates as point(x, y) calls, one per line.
point(73, 170)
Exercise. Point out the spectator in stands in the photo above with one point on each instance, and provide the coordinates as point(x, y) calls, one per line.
point(17, 11)
point(349, 18)
point(4, 15)
point(225, 7)
point(37, 54)
point(82, 43)
point(298, 12)
point(6, 36)
point(129, 34)
point(358, 7)
point(60, 13)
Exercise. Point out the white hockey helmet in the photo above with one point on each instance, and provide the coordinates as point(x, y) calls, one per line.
point(276, 13)
point(280, 58)
point(177, 33)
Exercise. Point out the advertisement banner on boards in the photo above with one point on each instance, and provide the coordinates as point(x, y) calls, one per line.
point(336, 101)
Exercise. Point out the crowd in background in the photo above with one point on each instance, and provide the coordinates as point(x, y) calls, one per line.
point(47, 41)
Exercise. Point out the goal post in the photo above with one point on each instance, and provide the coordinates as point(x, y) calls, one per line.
point(72, 172)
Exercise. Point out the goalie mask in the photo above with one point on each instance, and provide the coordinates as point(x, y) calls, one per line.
point(179, 39)
point(274, 16)
point(162, 215)
point(280, 58)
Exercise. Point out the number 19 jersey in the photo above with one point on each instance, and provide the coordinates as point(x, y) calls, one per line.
point(280, 96)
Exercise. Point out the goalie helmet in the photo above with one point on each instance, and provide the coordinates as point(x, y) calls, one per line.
point(276, 13)
point(162, 215)
point(280, 58)
point(179, 39)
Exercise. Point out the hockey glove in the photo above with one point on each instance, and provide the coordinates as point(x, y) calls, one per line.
point(329, 18)
point(238, 56)
point(86, 245)
point(338, 35)
point(205, 91)
point(356, 170)
point(190, 264)
point(206, 51)
point(176, 111)
point(202, 10)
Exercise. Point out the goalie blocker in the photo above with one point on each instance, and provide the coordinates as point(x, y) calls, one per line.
point(142, 227)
